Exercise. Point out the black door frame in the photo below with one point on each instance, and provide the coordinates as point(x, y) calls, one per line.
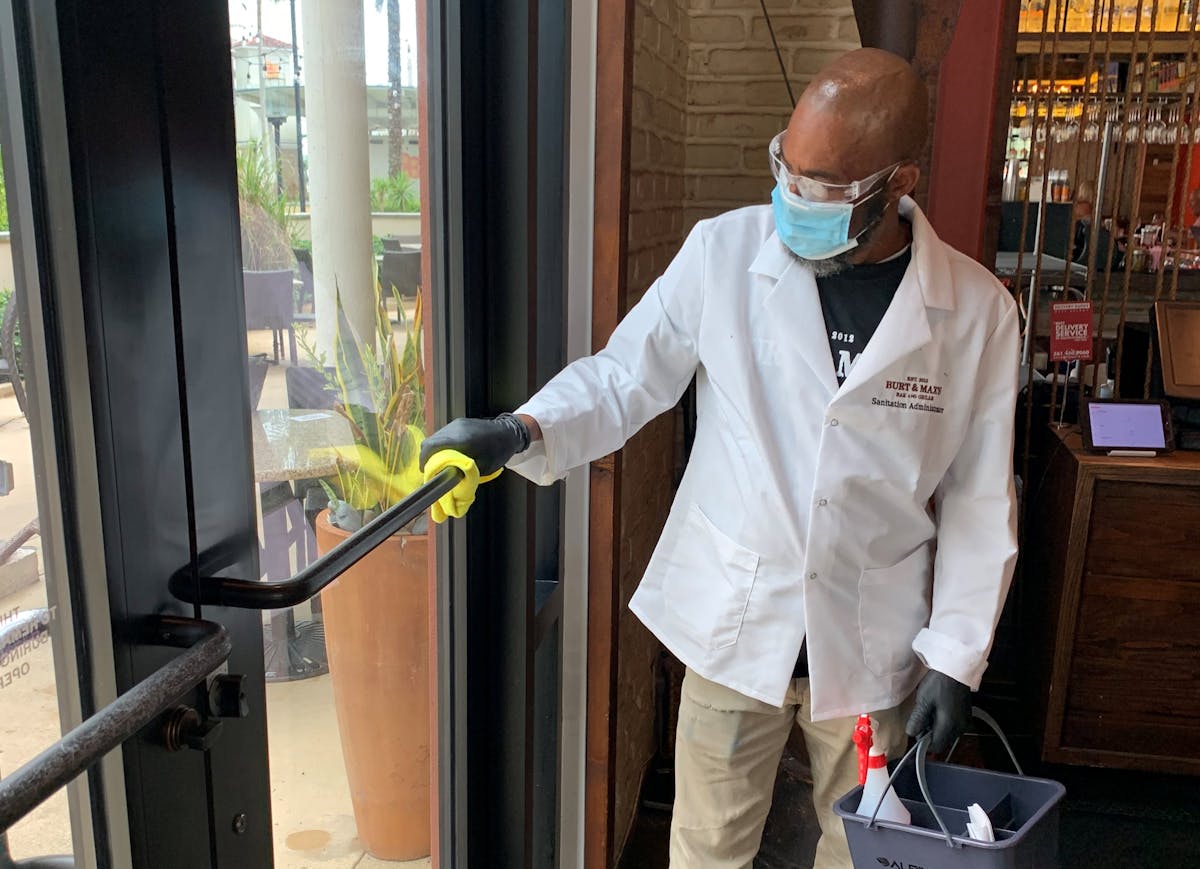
point(149, 130)
point(498, 72)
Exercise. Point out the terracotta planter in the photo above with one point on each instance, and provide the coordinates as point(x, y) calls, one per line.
point(377, 637)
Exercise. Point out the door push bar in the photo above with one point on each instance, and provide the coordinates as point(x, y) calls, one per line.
point(206, 646)
point(279, 594)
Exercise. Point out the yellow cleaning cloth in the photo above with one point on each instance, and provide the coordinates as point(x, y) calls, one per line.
point(458, 500)
point(372, 482)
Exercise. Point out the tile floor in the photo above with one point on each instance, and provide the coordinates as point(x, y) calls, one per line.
point(310, 800)
point(313, 821)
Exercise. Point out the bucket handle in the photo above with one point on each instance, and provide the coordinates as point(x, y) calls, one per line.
point(987, 719)
point(921, 749)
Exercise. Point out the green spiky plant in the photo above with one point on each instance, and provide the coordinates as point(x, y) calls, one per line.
point(380, 389)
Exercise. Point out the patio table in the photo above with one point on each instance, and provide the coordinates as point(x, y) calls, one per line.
point(292, 444)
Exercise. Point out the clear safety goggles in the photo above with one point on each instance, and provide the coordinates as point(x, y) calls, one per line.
point(813, 190)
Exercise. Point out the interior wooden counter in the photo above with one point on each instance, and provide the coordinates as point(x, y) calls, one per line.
point(1112, 571)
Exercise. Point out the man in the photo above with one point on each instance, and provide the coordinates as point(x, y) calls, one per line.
point(844, 532)
point(1083, 216)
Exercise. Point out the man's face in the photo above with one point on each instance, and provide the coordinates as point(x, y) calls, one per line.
point(819, 145)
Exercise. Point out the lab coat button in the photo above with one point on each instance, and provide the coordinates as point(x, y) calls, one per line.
point(812, 575)
point(822, 502)
point(833, 422)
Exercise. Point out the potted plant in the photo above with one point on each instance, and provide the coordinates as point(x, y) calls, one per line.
point(267, 257)
point(376, 614)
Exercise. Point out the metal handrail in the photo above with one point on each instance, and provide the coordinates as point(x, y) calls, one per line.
point(207, 646)
point(307, 582)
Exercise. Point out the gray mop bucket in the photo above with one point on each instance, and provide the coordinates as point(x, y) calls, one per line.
point(1023, 810)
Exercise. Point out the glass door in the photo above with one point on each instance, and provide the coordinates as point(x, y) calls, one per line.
point(326, 106)
point(49, 649)
point(259, 251)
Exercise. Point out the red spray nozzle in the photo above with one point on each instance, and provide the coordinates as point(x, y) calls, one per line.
point(863, 738)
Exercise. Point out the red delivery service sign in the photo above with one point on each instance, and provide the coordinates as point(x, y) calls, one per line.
point(1070, 331)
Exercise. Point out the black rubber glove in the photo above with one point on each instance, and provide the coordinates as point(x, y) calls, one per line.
point(490, 442)
point(943, 708)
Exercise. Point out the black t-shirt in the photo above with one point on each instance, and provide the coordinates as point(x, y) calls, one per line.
point(854, 302)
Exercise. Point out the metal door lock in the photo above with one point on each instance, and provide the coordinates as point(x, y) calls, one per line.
point(227, 696)
point(184, 728)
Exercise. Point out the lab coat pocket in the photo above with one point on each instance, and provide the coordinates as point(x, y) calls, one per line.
point(893, 605)
point(707, 582)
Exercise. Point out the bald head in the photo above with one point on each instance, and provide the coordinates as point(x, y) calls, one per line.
point(864, 111)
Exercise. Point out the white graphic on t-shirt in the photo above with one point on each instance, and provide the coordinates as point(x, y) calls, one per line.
point(846, 363)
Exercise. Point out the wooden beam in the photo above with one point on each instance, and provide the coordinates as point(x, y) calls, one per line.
point(974, 80)
point(1077, 43)
point(614, 90)
point(891, 26)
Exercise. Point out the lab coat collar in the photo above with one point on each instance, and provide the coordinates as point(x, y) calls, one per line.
point(773, 258)
point(793, 309)
point(928, 254)
point(795, 306)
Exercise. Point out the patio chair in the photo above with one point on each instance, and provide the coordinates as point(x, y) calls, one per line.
point(256, 372)
point(10, 362)
point(402, 270)
point(270, 304)
point(400, 242)
point(306, 291)
point(308, 389)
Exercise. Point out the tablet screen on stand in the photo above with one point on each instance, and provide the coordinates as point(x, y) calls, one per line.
point(1122, 426)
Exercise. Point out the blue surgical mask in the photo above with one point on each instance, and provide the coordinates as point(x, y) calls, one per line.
point(815, 230)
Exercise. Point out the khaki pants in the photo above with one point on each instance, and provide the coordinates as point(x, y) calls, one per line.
point(727, 752)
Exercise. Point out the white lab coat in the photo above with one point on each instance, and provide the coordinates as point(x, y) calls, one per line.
point(877, 518)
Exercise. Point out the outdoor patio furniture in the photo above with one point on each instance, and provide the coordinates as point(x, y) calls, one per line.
point(307, 387)
point(290, 446)
point(293, 444)
point(270, 304)
point(256, 367)
point(306, 293)
point(400, 242)
point(402, 270)
point(10, 362)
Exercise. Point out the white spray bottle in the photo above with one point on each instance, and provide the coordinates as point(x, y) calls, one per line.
point(874, 779)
